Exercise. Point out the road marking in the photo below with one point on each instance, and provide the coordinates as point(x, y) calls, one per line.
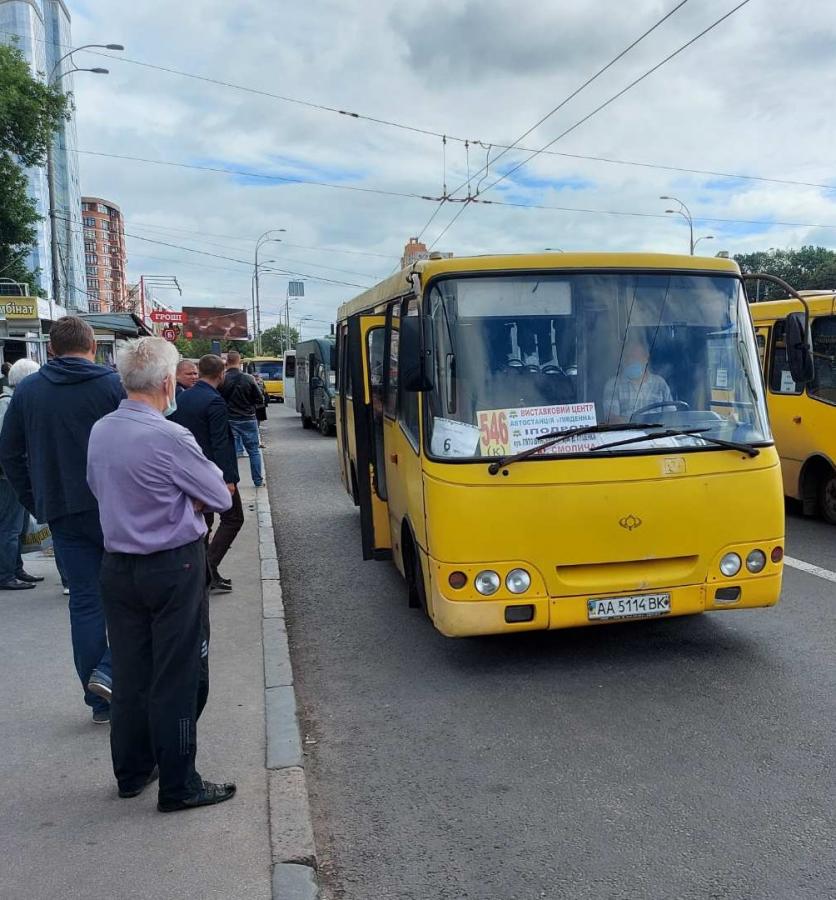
point(810, 569)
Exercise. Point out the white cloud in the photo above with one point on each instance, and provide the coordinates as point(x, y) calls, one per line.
point(751, 97)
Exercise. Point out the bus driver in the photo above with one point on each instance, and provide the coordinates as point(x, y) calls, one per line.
point(634, 386)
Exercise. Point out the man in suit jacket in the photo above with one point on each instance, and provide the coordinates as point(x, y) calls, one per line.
point(203, 411)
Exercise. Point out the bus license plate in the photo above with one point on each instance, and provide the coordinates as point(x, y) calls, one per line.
point(637, 606)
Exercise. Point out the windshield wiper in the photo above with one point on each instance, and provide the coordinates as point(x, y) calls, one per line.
point(557, 437)
point(748, 449)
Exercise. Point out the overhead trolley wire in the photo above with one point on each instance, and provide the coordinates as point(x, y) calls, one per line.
point(598, 109)
point(442, 134)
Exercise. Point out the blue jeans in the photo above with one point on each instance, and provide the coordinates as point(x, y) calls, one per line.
point(79, 542)
point(13, 518)
point(246, 431)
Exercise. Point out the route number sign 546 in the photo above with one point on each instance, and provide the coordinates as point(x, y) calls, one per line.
point(495, 439)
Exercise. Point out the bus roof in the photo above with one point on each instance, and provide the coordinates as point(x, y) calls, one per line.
point(821, 304)
point(399, 283)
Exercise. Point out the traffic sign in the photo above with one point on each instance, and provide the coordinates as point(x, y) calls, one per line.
point(171, 334)
point(166, 315)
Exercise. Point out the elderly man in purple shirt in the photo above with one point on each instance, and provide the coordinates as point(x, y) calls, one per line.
point(153, 483)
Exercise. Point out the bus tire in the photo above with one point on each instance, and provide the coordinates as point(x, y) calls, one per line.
point(324, 427)
point(827, 497)
point(306, 420)
point(414, 573)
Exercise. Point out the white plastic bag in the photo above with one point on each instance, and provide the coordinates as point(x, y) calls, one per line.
point(37, 537)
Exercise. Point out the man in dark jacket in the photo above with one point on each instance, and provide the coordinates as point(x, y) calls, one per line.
point(203, 411)
point(43, 451)
point(242, 396)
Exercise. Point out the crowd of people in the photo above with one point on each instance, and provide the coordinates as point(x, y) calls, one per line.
point(129, 469)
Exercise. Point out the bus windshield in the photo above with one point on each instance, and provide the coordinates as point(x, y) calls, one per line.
point(269, 369)
point(518, 357)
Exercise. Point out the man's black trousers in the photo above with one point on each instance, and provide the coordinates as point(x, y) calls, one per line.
point(232, 520)
point(157, 615)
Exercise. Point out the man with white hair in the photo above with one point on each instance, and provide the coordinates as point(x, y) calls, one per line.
point(13, 515)
point(153, 484)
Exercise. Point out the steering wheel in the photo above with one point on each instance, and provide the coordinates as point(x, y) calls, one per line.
point(676, 404)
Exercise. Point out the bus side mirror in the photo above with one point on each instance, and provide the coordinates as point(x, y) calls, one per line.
point(799, 355)
point(415, 349)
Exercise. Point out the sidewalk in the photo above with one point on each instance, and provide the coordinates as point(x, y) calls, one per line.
point(64, 833)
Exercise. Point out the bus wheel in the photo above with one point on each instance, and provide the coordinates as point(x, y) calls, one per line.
point(414, 577)
point(827, 497)
point(306, 420)
point(324, 427)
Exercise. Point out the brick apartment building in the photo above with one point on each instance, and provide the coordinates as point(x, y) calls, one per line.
point(104, 254)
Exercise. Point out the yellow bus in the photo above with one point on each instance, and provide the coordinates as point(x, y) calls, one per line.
point(803, 415)
point(554, 440)
point(271, 369)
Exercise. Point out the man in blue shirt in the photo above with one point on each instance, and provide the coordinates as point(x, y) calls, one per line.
point(43, 452)
point(203, 411)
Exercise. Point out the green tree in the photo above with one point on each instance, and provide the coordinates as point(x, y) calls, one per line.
point(274, 340)
point(198, 347)
point(30, 113)
point(807, 268)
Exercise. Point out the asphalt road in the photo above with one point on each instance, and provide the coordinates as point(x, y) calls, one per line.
point(687, 758)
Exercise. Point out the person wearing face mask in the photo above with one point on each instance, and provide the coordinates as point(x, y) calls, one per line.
point(43, 452)
point(635, 386)
point(153, 484)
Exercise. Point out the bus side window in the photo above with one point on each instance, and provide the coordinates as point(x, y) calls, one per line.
point(824, 356)
point(780, 379)
point(390, 405)
point(408, 406)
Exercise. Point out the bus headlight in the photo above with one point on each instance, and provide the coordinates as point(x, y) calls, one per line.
point(755, 561)
point(487, 582)
point(518, 581)
point(730, 565)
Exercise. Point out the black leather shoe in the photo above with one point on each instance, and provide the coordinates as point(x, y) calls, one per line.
point(220, 587)
point(208, 795)
point(15, 584)
point(31, 579)
point(126, 795)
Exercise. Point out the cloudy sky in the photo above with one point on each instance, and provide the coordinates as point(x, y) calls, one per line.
point(751, 98)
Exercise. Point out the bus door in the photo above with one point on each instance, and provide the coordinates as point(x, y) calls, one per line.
point(787, 409)
point(404, 480)
point(365, 370)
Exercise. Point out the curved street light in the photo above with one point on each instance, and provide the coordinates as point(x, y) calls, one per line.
point(262, 240)
point(52, 80)
point(704, 237)
point(685, 213)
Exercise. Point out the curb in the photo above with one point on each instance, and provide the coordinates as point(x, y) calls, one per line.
point(293, 852)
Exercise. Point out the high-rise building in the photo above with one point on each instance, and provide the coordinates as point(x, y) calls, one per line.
point(41, 30)
point(104, 255)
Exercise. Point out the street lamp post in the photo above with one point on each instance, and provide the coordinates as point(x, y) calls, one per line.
point(686, 214)
point(703, 237)
point(52, 80)
point(264, 239)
